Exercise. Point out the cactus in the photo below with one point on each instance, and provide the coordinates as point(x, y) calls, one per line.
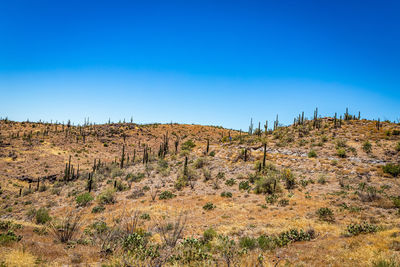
point(208, 146)
point(265, 154)
point(185, 167)
point(122, 156)
point(266, 127)
point(251, 127)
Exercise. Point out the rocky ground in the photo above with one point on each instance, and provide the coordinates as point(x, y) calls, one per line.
point(311, 194)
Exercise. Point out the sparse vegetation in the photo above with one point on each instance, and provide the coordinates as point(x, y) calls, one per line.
point(241, 192)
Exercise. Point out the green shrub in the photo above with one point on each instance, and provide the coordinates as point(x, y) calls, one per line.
point(398, 147)
point(266, 185)
point(248, 242)
point(9, 225)
point(212, 154)
point(191, 250)
point(8, 237)
point(188, 145)
point(106, 197)
point(325, 214)
point(83, 199)
point(98, 209)
point(162, 164)
point(341, 153)
point(392, 169)
point(265, 242)
point(209, 234)
point(341, 143)
point(145, 216)
point(271, 199)
point(386, 263)
point(244, 185)
point(42, 216)
point(135, 177)
point(283, 202)
point(288, 177)
point(321, 179)
point(209, 206)
point(226, 194)
point(312, 154)
point(367, 147)
point(230, 182)
point(166, 195)
point(360, 228)
point(200, 163)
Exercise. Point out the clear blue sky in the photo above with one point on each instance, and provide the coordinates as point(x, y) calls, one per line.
point(207, 62)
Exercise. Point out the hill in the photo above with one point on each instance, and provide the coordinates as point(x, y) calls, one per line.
point(124, 194)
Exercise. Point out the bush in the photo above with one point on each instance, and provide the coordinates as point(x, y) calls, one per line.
point(271, 199)
point(230, 182)
point(360, 228)
point(392, 169)
point(188, 145)
point(283, 202)
point(209, 234)
point(289, 178)
point(83, 199)
point(248, 242)
point(207, 174)
point(191, 250)
point(386, 263)
point(244, 185)
point(98, 209)
point(106, 197)
point(42, 216)
point(341, 153)
point(65, 229)
point(166, 195)
point(398, 147)
point(200, 163)
point(321, 180)
point(209, 206)
point(325, 214)
point(367, 147)
point(271, 242)
point(266, 185)
point(341, 143)
point(145, 216)
point(135, 177)
point(9, 237)
point(312, 154)
point(226, 194)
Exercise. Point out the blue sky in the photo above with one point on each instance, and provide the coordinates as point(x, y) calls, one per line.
point(207, 62)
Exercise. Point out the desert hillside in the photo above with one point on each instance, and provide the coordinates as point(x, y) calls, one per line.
point(125, 194)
